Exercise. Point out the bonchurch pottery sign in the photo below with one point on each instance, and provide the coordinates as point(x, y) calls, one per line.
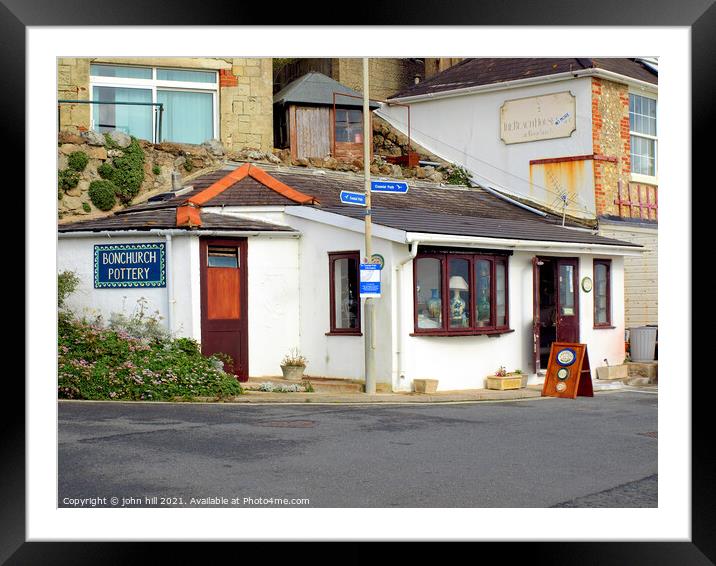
point(129, 265)
point(538, 118)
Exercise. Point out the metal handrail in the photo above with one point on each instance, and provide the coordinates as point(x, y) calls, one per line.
point(158, 106)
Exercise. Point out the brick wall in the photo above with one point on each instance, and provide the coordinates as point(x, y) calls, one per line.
point(245, 94)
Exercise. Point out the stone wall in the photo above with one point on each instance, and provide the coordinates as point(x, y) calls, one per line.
point(160, 160)
point(387, 76)
point(611, 140)
point(245, 95)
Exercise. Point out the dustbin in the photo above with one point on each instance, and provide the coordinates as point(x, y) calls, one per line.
point(642, 342)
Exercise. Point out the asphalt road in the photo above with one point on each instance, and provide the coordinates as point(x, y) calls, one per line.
point(588, 452)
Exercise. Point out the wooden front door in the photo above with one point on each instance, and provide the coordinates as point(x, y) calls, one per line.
point(224, 304)
point(567, 300)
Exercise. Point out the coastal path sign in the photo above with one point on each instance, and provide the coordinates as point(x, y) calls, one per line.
point(388, 187)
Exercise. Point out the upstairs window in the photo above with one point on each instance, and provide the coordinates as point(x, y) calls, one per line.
point(643, 134)
point(460, 293)
point(344, 283)
point(189, 99)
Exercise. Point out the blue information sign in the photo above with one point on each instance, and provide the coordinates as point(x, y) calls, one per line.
point(347, 197)
point(370, 279)
point(388, 187)
point(129, 265)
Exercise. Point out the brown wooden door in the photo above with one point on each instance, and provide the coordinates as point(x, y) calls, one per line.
point(224, 305)
point(535, 314)
point(567, 300)
point(313, 126)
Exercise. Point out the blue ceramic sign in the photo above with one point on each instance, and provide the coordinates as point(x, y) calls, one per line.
point(130, 265)
point(566, 357)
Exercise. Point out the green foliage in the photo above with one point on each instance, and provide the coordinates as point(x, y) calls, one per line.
point(109, 142)
point(86, 207)
point(129, 171)
point(106, 170)
point(457, 175)
point(67, 282)
point(126, 171)
point(141, 323)
point(188, 166)
point(67, 179)
point(77, 160)
point(102, 194)
point(307, 386)
point(102, 363)
point(156, 170)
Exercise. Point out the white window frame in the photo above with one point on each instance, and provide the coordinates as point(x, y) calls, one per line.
point(154, 85)
point(639, 177)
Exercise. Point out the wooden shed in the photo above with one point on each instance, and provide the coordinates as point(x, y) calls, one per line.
point(316, 116)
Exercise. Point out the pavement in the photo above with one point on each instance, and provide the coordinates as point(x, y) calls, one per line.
point(531, 392)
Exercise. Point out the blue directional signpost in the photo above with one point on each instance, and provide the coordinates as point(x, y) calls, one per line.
point(388, 187)
point(347, 197)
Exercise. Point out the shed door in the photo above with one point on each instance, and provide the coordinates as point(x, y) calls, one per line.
point(224, 327)
point(313, 131)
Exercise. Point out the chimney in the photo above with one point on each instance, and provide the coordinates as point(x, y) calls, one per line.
point(176, 180)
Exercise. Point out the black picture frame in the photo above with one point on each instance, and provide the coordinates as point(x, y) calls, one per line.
point(699, 15)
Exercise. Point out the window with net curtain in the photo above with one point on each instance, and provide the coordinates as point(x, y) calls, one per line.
point(188, 115)
point(642, 126)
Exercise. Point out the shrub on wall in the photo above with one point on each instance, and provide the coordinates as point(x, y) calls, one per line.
point(102, 194)
point(126, 171)
point(77, 160)
point(67, 179)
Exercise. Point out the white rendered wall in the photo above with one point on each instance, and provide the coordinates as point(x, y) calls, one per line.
point(338, 356)
point(463, 362)
point(273, 293)
point(466, 130)
point(77, 254)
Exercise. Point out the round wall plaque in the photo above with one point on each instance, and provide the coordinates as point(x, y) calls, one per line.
point(379, 259)
point(566, 357)
point(587, 284)
point(561, 386)
point(562, 374)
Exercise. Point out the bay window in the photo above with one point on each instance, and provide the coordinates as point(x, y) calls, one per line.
point(459, 293)
point(189, 99)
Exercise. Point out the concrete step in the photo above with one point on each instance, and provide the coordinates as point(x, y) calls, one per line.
point(319, 384)
point(649, 370)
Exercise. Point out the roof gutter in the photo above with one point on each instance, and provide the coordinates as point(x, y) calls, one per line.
point(161, 233)
point(521, 245)
point(599, 73)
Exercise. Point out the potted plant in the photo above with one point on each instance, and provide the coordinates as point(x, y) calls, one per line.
point(293, 365)
point(502, 379)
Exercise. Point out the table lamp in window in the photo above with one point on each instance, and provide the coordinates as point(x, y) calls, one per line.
point(457, 303)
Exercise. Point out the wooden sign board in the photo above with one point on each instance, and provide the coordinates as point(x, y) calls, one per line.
point(568, 372)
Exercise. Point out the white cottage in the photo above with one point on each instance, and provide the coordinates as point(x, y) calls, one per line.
point(255, 260)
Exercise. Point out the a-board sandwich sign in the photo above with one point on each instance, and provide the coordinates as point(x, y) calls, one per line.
point(568, 372)
point(119, 266)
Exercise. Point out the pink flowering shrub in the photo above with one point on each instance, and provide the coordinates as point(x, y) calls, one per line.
point(101, 363)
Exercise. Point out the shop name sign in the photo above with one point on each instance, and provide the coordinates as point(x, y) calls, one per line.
point(538, 118)
point(130, 265)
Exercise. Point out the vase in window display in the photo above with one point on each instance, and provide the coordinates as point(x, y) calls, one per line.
point(457, 303)
point(433, 304)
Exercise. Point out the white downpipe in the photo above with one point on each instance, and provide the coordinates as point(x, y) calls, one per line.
point(170, 285)
point(397, 316)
